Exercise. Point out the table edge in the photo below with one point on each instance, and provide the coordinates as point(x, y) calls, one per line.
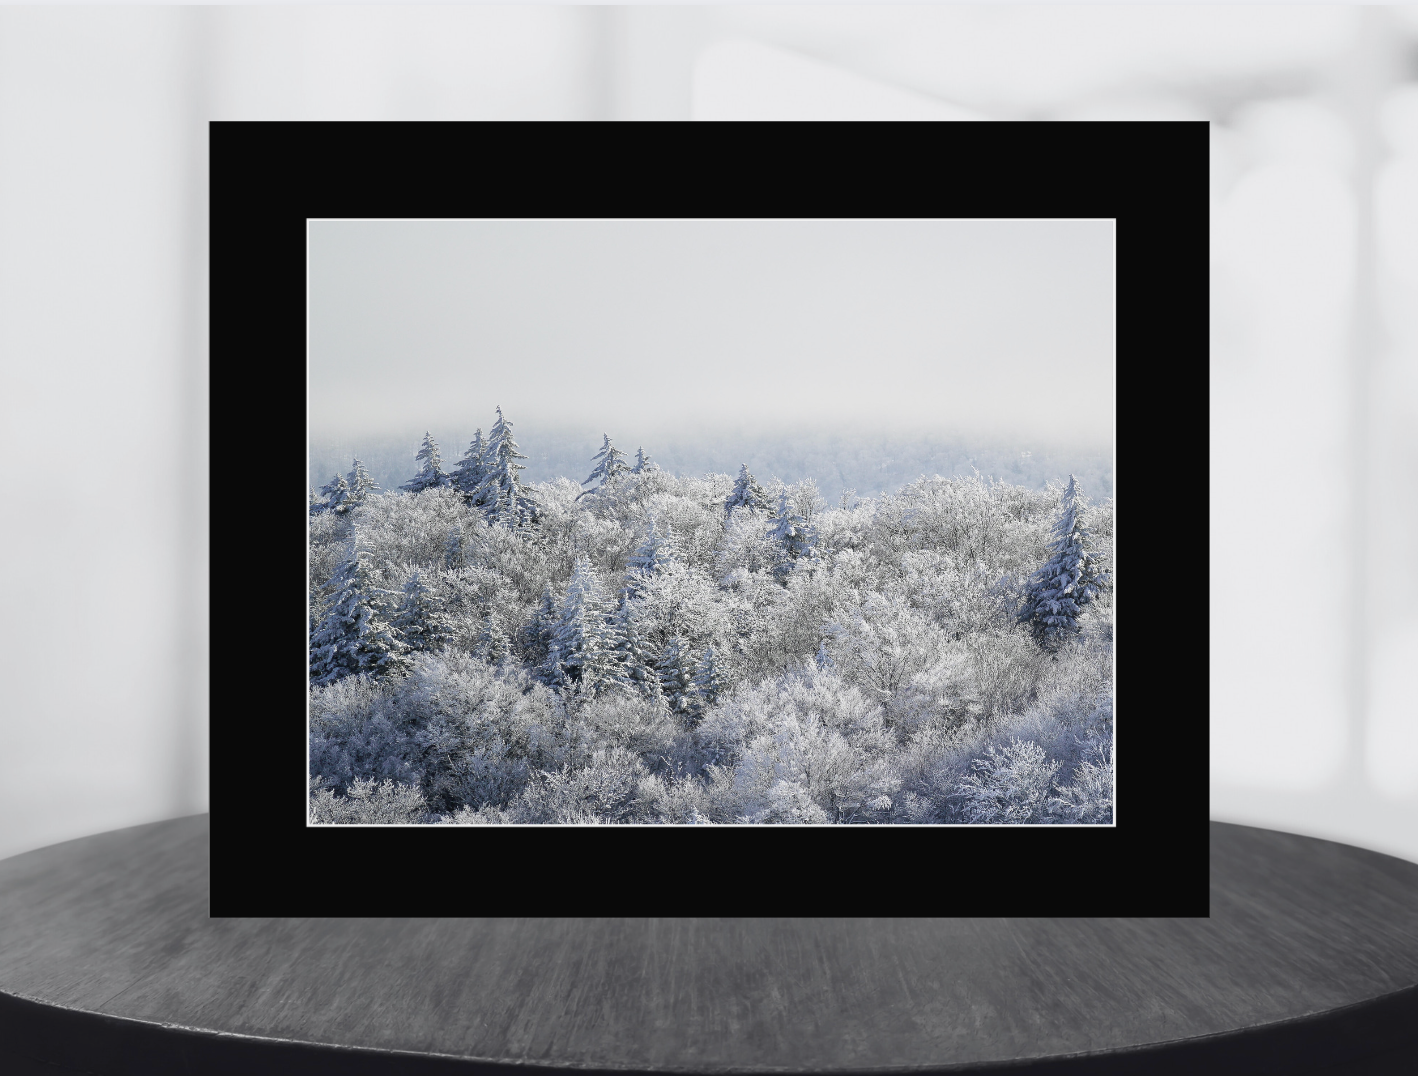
point(102, 1044)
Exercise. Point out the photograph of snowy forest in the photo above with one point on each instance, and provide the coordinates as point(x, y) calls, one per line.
point(545, 625)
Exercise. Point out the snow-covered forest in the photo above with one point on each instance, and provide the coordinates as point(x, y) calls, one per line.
point(644, 647)
point(870, 458)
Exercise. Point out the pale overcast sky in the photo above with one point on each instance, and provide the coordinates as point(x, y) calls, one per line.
point(990, 327)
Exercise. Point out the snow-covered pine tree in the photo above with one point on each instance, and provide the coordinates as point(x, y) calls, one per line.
point(708, 681)
point(747, 493)
point(603, 665)
point(537, 636)
point(1057, 593)
point(419, 620)
point(431, 474)
point(354, 634)
point(676, 672)
point(454, 553)
point(635, 661)
point(583, 644)
point(654, 552)
point(792, 536)
point(610, 465)
point(316, 504)
point(502, 496)
point(492, 641)
point(361, 485)
point(335, 493)
point(651, 557)
point(642, 462)
point(468, 476)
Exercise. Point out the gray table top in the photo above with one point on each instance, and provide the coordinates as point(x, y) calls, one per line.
point(105, 947)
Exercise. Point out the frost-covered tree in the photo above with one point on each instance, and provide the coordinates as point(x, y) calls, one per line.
point(676, 671)
point(502, 496)
point(468, 476)
point(680, 600)
point(708, 681)
point(537, 635)
point(883, 645)
point(642, 462)
point(634, 661)
point(1071, 578)
point(431, 474)
point(610, 465)
point(344, 495)
point(747, 493)
point(419, 619)
point(354, 635)
point(492, 641)
point(335, 492)
point(361, 486)
point(1009, 787)
point(1089, 799)
point(791, 535)
point(367, 802)
point(654, 552)
point(651, 557)
point(583, 643)
point(454, 551)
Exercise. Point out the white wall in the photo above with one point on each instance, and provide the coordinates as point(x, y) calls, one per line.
point(103, 644)
point(103, 651)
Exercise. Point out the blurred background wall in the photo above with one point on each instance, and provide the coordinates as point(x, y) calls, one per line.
point(1313, 471)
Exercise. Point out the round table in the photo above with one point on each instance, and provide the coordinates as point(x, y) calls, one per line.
point(110, 966)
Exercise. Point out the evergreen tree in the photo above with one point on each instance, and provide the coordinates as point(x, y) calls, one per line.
point(419, 620)
point(651, 557)
point(454, 553)
point(335, 493)
point(492, 641)
point(468, 476)
point(537, 636)
point(361, 485)
point(606, 668)
point(354, 634)
point(610, 465)
point(1058, 592)
point(747, 494)
point(708, 682)
point(502, 496)
point(583, 643)
point(431, 474)
point(316, 504)
point(676, 673)
point(635, 661)
point(792, 536)
point(642, 462)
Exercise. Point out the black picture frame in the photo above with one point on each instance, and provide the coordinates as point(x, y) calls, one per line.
point(267, 179)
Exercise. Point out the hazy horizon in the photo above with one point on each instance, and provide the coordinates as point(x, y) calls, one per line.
point(837, 457)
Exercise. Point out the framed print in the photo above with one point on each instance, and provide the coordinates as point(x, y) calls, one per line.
point(745, 489)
